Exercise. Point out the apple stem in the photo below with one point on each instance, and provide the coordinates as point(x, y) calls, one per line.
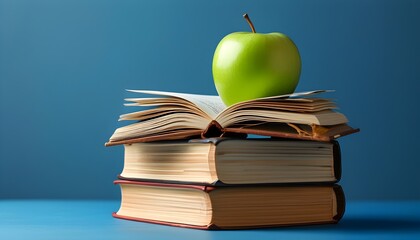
point(249, 22)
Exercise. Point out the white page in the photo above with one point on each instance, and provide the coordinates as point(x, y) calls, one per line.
point(210, 104)
point(213, 105)
point(298, 94)
point(292, 96)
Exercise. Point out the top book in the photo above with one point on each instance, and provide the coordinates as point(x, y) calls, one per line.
point(171, 116)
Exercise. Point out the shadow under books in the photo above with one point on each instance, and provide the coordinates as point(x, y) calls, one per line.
point(359, 224)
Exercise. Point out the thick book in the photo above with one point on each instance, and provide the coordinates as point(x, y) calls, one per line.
point(224, 161)
point(231, 207)
point(172, 116)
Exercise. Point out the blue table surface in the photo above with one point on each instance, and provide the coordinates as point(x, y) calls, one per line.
point(91, 219)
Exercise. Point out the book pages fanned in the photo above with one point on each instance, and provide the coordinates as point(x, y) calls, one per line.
point(171, 115)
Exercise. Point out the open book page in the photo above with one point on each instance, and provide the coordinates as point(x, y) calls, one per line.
point(297, 94)
point(294, 102)
point(213, 105)
point(210, 104)
point(322, 118)
point(149, 102)
point(154, 113)
point(172, 115)
point(161, 125)
point(161, 106)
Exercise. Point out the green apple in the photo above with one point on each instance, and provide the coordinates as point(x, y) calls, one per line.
point(249, 65)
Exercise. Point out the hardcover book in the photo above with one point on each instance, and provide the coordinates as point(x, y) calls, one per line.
point(219, 161)
point(171, 116)
point(207, 207)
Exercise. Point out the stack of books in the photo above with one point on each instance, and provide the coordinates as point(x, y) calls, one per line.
point(190, 161)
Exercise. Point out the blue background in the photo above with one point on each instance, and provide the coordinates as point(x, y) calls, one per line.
point(64, 66)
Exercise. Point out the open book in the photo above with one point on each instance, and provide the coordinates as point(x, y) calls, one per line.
point(170, 116)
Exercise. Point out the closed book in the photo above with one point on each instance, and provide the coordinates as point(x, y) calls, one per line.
point(230, 207)
point(233, 161)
